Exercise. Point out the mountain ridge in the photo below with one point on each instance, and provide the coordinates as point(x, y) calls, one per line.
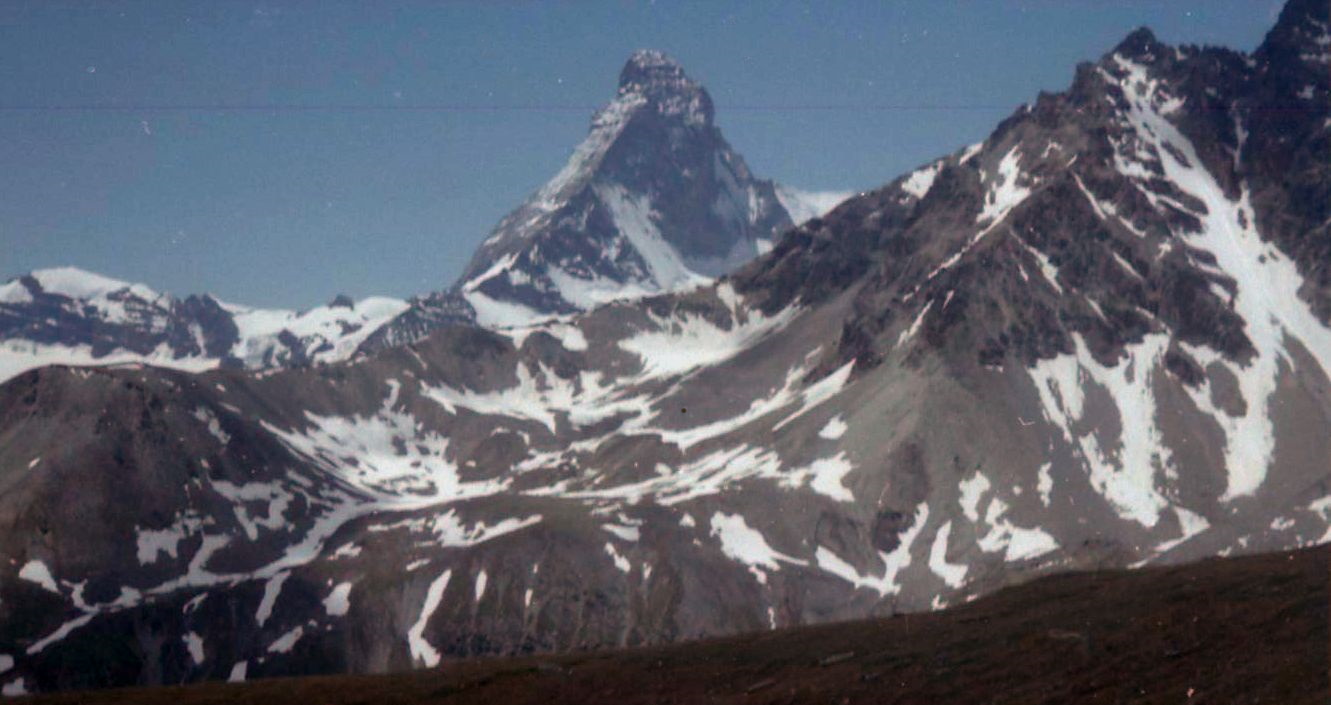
point(1071, 346)
point(598, 231)
point(653, 200)
point(67, 315)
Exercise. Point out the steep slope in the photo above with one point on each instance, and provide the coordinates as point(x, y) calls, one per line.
point(804, 206)
point(653, 200)
point(1074, 345)
point(1169, 635)
point(68, 316)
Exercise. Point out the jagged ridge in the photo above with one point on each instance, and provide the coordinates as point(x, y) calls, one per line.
point(1071, 346)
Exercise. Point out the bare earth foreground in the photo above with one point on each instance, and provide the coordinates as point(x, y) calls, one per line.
point(1235, 630)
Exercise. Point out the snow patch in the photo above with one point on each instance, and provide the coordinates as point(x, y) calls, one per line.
point(746, 545)
point(624, 533)
point(1004, 193)
point(450, 532)
point(338, 602)
point(493, 313)
point(1267, 282)
point(207, 416)
point(1018, 544)
point(635, 218)
point(15, 293)
point(327, 333)
point(35, 571)
point(1123, 475)
point(481, 580)
point(826, 477)
point(1190, 524)
point(283, 644)
point(685, 343)
point(972, 490)
point(834, 429)
point(921, 180)
point(19, 356)
point(272, 588)
point(194, 644)
point(620, 562)
point(893, 563)
point(421, 650)
point(804, 206)
point(150, 542)
point(1045, 483)
point(914, 327)
point(953, 575)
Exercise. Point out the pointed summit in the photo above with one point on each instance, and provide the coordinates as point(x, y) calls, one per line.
point(659, 80)
point(650, 66)
point(653, 200)
point(1140, 44)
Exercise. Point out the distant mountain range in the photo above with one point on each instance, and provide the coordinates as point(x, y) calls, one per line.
point(1098, 338)
point(654, 200)
point(68, 316)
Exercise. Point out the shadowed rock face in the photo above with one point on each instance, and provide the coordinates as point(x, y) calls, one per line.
point(1075, 345)
point(1095, 634)
point(654, 200)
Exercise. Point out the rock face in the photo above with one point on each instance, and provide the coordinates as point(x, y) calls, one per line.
point(1096, 633)
point(71, 317)
point(1098, 338)
point(654, 200)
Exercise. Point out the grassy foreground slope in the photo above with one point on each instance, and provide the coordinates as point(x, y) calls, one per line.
point(1237, 630)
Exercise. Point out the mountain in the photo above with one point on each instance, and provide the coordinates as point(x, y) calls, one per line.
point(68, 316)
point(1099, 338)
point(654, 200)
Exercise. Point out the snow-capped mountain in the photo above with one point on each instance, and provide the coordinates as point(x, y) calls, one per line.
point(654, 200)
point(68, 316)
point(1098, 338)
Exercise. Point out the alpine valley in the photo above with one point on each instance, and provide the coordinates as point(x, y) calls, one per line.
point(654, 409)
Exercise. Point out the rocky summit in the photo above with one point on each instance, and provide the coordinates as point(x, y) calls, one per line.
point(1098, 338)
point(654, 200)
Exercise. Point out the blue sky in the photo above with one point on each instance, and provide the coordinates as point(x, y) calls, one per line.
point(379, 142)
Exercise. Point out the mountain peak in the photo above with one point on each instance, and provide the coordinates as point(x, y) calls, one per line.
point(652, 200)
point(658, 79)
point(1141, 43)
point(77, 283)
point(648, 66)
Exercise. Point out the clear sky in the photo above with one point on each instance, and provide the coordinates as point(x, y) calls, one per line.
point(372, 145)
